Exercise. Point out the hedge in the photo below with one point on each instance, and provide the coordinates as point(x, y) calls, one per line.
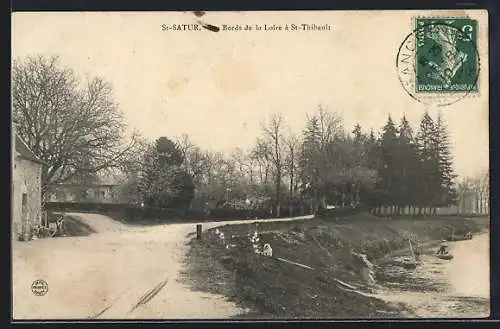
point(125, 212)
point(231, 213)
point(261, 213)
point(339, 211)
point(134, 213)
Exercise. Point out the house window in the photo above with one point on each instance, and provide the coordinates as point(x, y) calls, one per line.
point(24, 202)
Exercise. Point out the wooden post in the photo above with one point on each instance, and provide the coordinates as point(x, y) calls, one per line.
point(198, 231)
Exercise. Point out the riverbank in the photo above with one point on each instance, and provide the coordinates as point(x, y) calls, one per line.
point(319, 268)
point(459, 288)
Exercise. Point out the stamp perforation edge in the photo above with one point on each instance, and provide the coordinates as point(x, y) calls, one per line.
point(468, 94)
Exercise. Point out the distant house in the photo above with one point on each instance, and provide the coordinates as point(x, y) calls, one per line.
point(104, 190)
point(26, 189)
point(468, 203)
point(472, 203)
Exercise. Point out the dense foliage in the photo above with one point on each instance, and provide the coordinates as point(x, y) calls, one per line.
point(163, 182)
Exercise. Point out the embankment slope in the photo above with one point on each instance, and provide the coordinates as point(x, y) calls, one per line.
point(331, 247)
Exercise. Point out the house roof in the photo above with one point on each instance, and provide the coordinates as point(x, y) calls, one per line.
point(25, 151)
point(71, 185)
point(100, 181)
point(110, 179)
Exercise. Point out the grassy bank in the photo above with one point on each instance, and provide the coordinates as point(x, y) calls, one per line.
point(331, 250)
point(75, 227)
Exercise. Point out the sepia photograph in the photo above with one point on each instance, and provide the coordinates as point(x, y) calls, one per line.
point(273, 165)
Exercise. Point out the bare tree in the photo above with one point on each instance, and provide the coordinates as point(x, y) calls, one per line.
point(464, 190)
point(273, 132)
point(322, 159)
point(481, 187)
point(292, 144)
point(331, 126)
point(185, 146)
point(213, 168)
point(260, 154)
point(473, 194)
point(219, 178)
point(198, 164)
point(485, 192)
point(245, 164)
point(76, 129)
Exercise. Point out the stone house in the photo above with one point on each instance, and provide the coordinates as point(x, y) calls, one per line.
point(104, 190)
point(26, 190)
point(98, 193)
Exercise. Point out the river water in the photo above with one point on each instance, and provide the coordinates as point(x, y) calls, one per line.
point(457, 288)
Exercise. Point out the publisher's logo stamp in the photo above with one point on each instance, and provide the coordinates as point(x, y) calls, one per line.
point(39, 287)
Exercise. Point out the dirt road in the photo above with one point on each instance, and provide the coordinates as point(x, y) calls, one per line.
point(119, 272)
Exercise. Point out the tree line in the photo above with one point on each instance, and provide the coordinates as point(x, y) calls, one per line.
point(78, 131)
point(397, 170)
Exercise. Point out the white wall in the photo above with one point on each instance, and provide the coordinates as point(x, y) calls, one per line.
point(26, 179)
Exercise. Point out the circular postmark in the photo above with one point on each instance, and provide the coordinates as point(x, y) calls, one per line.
point(39, 287)
point(438, 62)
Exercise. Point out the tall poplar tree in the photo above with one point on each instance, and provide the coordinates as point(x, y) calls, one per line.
point(389, 164)
point(428, 184)
point(448, 193)
point(407, 173)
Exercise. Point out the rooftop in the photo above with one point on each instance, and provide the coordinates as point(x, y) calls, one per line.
point(23, 149)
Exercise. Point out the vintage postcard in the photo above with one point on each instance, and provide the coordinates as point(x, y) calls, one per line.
point(250, 165)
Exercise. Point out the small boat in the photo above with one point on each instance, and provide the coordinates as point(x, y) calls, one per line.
point(443, 253)
point(445, 256)
point(410, 263)
point(454, 237)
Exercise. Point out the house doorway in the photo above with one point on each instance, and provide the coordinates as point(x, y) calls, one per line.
point(24, 215)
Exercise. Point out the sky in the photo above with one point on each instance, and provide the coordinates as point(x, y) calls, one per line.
point(218, 87)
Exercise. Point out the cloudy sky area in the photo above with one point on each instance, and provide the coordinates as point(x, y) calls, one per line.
point(217, 87)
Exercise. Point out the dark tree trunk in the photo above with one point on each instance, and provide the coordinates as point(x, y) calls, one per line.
point(343, 193)
point(480, 203)
point(278, 192)
point(291, 191)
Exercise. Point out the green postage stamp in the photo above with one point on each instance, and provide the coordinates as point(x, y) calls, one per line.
point(446, 57)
